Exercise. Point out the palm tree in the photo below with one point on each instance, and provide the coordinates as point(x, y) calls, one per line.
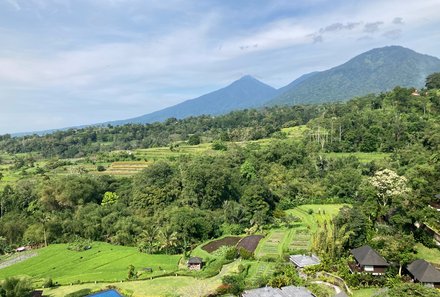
point(149, 237)
point(168, 239)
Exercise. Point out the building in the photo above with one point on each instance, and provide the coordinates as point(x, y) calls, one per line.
point(289, 291)
point(195, 263)
point(425, 273)
point(302, 261)
point(368, 261)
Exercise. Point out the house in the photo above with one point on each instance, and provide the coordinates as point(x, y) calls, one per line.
point(368, 261)
point(289, 291)
point(301, 261)
point(425, 273)
point(195, 263)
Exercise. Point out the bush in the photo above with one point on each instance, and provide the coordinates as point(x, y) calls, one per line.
point(245, 254)
point(16, 287)
point(48, 283)
point(100, 168)
point(80, 244)
point(79, 293)
point(219, 146)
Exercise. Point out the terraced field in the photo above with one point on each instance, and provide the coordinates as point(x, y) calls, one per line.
point(104, 262)
point(298, 237)
point(125, 168)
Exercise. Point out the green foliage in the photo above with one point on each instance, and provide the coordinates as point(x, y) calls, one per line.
point(194, 139)
point(219, 145)
point(410, 290)
point(131, 274)
point(433, 81)
point(233, 284)
point(15, 287)
point(80, 293)
point(80, 244)
point(245, 254)
point(109, 198)
point(320, 290)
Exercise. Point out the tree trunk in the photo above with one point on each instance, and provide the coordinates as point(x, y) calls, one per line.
point(45, 237)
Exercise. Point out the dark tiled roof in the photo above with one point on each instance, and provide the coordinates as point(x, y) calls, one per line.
point(195, 260)
point(424, 272)
point(365, 255)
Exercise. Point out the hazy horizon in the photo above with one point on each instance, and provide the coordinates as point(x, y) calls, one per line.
point(69, 63)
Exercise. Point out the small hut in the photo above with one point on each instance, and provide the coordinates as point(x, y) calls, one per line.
point(195, 263)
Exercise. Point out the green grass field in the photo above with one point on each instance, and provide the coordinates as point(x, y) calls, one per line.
point(369, 292)
point(164, 286)
point(430, 255)
point(362, 157)
point(104, 262)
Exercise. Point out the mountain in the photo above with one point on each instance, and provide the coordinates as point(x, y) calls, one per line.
point(375, 71)
point(247, 92)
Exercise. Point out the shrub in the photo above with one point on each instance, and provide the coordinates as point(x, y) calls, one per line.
point(245, 254)
point(100, 168)
point(48, 283)
point(79, 293)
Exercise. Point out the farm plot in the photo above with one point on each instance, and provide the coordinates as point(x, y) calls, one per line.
point(126, 167)
point(274, 243)
point(301, 240)
point(298, 235)
point(216, 244)
point(258, 270)
point(250, 243)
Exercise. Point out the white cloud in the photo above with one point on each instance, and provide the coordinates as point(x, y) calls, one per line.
point(132, 57)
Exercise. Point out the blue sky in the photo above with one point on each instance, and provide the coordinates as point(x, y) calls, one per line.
point(73, 62)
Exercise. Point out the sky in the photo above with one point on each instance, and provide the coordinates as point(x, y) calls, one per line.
point(72, 62)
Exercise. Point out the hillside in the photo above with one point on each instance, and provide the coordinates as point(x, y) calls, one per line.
point(375, 71)
point(247, 92)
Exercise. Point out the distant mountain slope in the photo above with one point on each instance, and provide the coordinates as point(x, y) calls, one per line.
point(247, 92)
point(374, 71)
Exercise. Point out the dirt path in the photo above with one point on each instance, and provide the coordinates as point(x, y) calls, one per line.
point(17, 258)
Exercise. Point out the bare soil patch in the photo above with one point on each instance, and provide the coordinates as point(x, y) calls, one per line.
point(250, 243)
point(225, 241)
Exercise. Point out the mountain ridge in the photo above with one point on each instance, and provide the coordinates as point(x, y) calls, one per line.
point(374, 71)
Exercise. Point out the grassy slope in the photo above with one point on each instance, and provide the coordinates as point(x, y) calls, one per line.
point(430, 255)
point(104, 262)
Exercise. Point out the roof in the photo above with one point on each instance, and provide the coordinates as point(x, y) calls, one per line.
point(365, 255)
point(424, 272)
point(195, 260)
point(289, 291)
point(303, 260)
point(37, 293)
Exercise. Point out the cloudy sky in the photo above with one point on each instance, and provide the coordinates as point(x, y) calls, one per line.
point(72, 62)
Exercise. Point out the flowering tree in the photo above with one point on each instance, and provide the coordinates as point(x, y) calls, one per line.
point(389, 186)
point(390, 189)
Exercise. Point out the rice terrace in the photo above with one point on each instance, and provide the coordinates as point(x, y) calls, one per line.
point(219, 148)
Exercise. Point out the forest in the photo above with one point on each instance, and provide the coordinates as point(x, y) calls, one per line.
point(174, 204)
